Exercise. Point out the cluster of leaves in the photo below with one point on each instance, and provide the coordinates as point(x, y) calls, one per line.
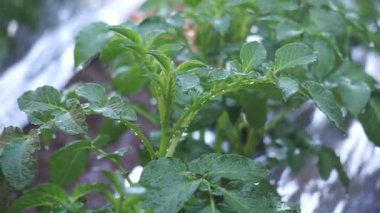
point(204, 76)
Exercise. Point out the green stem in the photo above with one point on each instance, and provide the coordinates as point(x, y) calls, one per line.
point(184, 121)
point(164, 140)
point(118, 165)
point(148, 145)
point(212, 202)
point(250, 146)
point(276, 120)
point(165, 126)
point(146, 115)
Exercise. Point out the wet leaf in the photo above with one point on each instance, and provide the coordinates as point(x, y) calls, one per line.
point(68, 163)
point(168, 185)
point(292, 55)
point(325, 101)
point(19, 156)
point(89, 41)
point(47, 194)
point(252, 54)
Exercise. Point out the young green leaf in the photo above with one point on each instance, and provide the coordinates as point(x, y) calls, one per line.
point(94, 93)
point(127, 33)
point(168, 185)
point(19, 156)
point(47, 194)
point(67, 164)
point(325, 101)
point(189, 65)
point(85, 189)
point(292, 55)
point(167, 48)
point(165, 62)
point(252, 54)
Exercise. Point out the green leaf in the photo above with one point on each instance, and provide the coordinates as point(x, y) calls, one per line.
point(101, 140)
point(19, 156)
point(165, 62)
point(167, 184)
point(127, 33)
point(85, 189)
point(325, 101)
point(254, 107)
point(113, 108)
point(328, 161)
point(231, 167)
point(89, 41)
point(354, 96)
point(189, 65)
point(128, 79)
point(326, 59)
point(47, 194)
point(72, 122)
point(292, 55)
point(267, 6)
point(287, 29)
point(94, 93)
point(252, 54)
point(244, 198)
point(117, 182)
point(68, 163)
point(288, 86)
point(167, 48)
point(187, 81)
point(219, 74)
point(329, 21)
point(43, 99)
point(354, 72)
point(114, 156)
point(44, 105)
point(370, 119)
point(242, 3)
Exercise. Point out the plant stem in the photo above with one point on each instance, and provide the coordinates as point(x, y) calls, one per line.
point(165, 128)
point(146, 115)
point(124, 173)
point(142, 137)
point(250, 146)
point(212, 202)
point(184, 121)
point(276, 120)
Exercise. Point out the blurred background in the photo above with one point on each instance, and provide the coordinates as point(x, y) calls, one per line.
point(36, 48)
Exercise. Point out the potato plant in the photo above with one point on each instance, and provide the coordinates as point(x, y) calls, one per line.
point(240, 69)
